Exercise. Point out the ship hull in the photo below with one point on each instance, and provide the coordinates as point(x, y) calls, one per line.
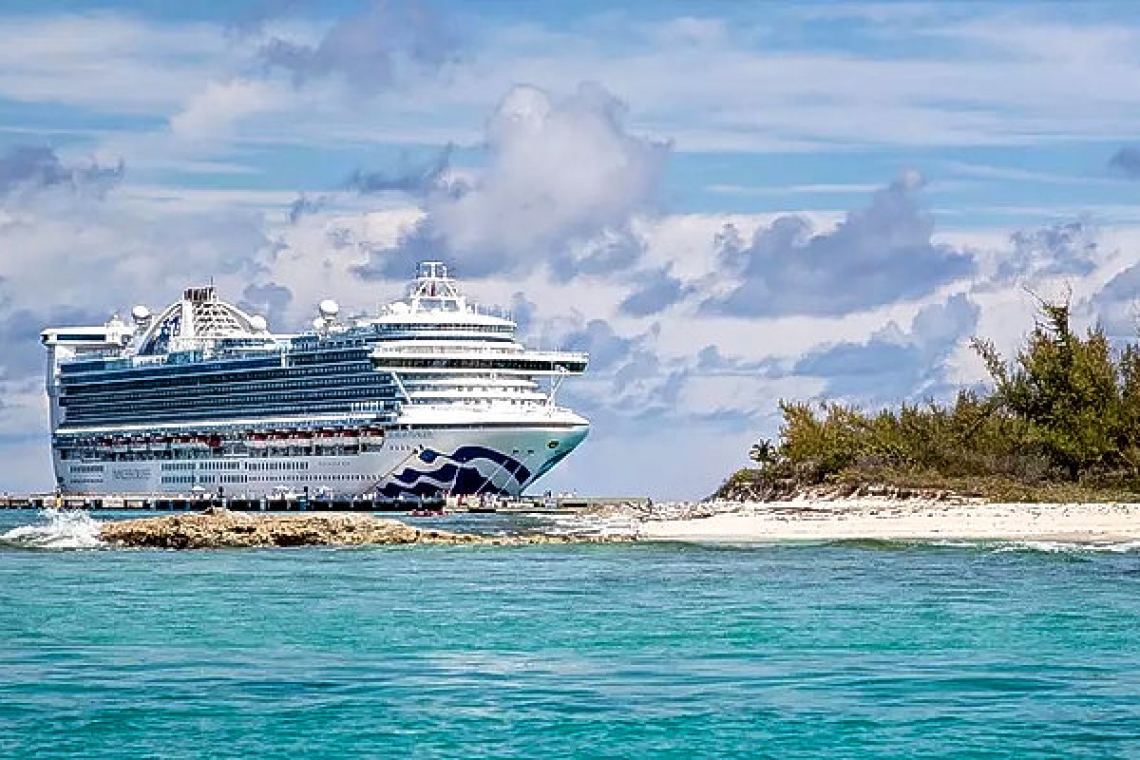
point(417, 461)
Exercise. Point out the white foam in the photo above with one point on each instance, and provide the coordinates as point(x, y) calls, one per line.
point(60, 529)
point(609, 526)
point(1069, 547)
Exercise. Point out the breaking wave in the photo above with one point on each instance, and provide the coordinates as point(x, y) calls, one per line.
point(58, 529)
point(1069, 547)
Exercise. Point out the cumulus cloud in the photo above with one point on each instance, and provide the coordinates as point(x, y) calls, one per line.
point(895, 364)
point(418, 181)
point(655, 290)
point(877, 255)
point(1068, 248)
point(305, 205)
point(1126, 161)
point(269, 299)
point(368, 50)
point(29, 168)
point(20, 328)
point(563, 178)
point(1117, 304)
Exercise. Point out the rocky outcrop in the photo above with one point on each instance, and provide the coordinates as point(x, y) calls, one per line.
point(217, 528)
point(742, 488)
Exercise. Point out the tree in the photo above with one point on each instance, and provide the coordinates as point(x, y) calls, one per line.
point(1066, 387)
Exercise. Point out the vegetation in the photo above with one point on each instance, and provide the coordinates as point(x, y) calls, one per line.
point(1062, 422)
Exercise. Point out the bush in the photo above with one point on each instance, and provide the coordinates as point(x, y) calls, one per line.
point(1067, 409)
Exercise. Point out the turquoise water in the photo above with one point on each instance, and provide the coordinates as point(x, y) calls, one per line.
point(667, 650)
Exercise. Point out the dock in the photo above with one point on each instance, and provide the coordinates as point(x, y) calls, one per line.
point(560, 504)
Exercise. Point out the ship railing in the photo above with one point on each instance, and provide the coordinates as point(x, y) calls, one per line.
point(471, 308)
point(457, 351)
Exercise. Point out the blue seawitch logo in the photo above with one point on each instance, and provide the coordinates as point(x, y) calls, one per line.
point(457, 474)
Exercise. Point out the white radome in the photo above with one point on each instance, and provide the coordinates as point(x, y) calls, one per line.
point(257, 323)
point(329, 308)
point(140, 313)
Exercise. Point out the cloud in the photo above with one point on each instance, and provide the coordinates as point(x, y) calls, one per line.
point(20, 327)
point(28, 168)
point(1067, 248)
point(269, 299)
point(1126, 161)
point(1117, 304)
point(562, 181)
point(607, 349)
point(369, 50)
point(655, 291)
point(304, 205)
point(418, 181)
point(877, 255)
point(220, 106)
point(895, 364)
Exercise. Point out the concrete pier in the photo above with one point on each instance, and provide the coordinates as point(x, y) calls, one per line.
point(182, 503)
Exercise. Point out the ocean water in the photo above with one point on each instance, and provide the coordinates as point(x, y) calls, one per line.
point(865, 650)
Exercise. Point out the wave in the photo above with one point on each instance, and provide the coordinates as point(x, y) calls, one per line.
point(1069, 547)
point(994, 546)
point(60, 529)
point(604, 525)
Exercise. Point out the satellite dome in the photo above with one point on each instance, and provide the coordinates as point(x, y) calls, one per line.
point(318, 324)
point(329, 308)
point(140, 313)
point(257, 323)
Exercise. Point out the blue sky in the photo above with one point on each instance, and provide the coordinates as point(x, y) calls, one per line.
point(726, 203)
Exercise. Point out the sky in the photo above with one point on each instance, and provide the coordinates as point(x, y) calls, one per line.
point(726, 204)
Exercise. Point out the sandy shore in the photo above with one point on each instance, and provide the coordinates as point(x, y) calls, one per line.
point(907, 520)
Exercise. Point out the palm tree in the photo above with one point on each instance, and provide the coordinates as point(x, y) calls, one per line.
point(762, 452)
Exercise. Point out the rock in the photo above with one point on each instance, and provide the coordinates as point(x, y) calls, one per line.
point(217, 528)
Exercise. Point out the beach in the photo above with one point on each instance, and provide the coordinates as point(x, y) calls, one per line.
point(903, 519)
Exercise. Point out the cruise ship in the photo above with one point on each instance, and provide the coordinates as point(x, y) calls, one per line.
point(430, 396)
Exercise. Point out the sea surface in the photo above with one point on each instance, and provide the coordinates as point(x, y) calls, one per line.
point(850, 650)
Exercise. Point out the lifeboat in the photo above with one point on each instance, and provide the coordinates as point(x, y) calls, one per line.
point(278, 440)
point(372, 436)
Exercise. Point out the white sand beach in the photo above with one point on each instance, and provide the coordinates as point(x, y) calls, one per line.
point(911, 519)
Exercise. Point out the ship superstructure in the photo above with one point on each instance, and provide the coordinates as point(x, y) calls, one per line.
point(432, 395)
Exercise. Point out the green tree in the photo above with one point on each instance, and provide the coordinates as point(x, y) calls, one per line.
point(1065, 386)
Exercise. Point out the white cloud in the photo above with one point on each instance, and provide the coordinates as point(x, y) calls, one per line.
point(217, 110)
point(107, 62)
point(997, 79)
point(562, 183)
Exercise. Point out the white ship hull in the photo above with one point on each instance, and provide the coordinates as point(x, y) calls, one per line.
point(420, 461)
